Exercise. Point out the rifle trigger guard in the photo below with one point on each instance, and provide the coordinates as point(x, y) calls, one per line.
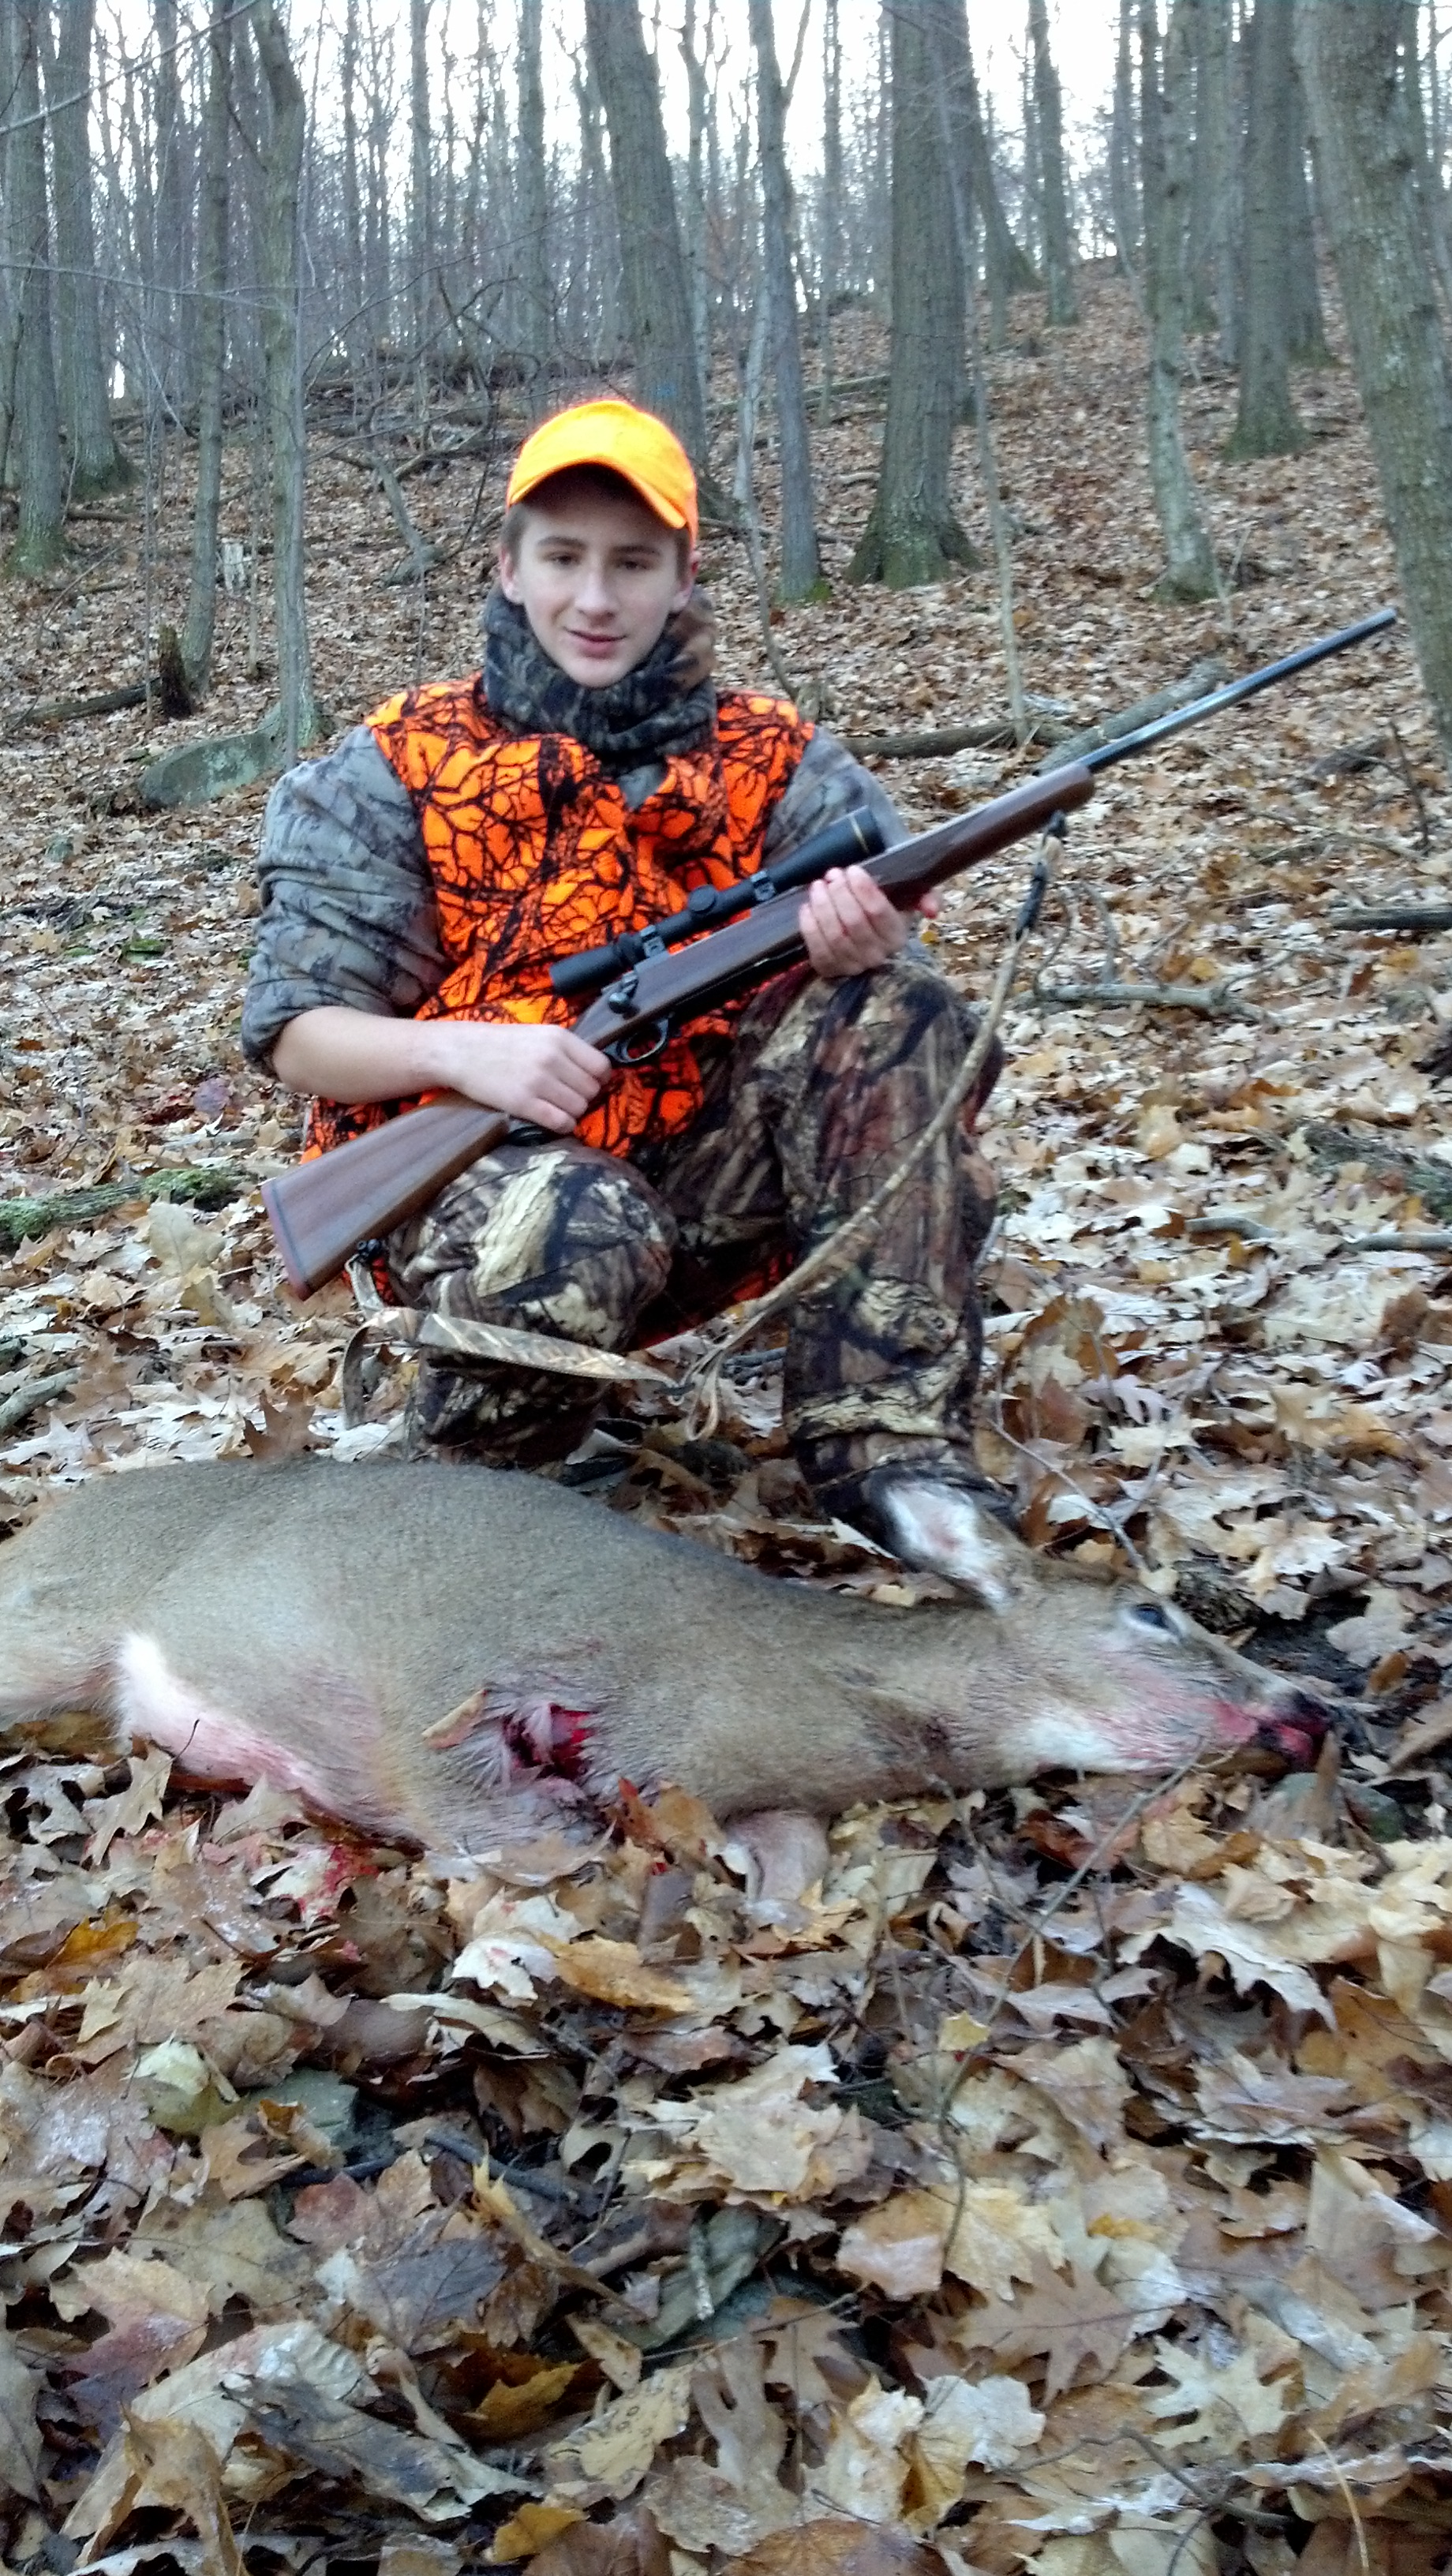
point(627, 1051)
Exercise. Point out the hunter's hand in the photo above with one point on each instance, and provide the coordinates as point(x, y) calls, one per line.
point(849, 925)
point(533, 1071)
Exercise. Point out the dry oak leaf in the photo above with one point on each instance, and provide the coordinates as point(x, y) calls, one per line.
point(840, 2546)
point(529, 2531)
point(1253, 1956)
point(987, 2421)
point(20, 2437)
point(1085, 2083)
point(898, 2246)
point(1070, 2321)
point(997, 2237)
point(1365, 2238)
point(613, 1972)
point(156, 2320)
point(865, 2469)
point(1228, 2406)
point(158, 1999)
point(628, 2545)
point(1413, 2371)
point(172, 2463)
point(507, 2412)
point(739, 2500)
point(1244, 2104)
point(610, 2455)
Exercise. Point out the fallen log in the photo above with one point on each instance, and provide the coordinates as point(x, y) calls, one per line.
point(63, 711)
point(1196, 684)
point(202, 1185)
point(1391, 916)
point(1430, 1182)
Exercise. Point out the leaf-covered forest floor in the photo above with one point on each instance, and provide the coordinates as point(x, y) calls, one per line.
point(1067, 2182)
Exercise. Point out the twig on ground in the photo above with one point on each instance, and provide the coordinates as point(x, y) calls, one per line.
point(1214, 1001)
point(18, 1406)
point(63, 711)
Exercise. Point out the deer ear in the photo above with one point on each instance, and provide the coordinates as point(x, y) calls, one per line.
point(950, 1532)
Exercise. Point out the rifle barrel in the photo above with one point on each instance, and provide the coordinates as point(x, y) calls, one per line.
point(1106, 754)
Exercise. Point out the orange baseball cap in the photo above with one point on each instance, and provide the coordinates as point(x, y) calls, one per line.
point(631, 443)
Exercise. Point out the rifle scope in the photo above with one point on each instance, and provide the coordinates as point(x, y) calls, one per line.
point(854, 836)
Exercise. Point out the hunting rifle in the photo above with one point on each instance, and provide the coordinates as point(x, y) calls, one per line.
point(324, 1208)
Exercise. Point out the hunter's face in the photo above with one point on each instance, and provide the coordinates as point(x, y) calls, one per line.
point(597, 576)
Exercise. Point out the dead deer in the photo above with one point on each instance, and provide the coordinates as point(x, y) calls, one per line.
point(426, 1651)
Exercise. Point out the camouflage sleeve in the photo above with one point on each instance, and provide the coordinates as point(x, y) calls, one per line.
point(347, 903)
point(826, 782)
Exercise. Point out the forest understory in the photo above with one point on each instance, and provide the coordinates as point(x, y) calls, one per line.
point(1067, 2183)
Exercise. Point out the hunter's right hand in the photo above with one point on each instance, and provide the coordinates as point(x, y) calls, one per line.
point(541, 1073)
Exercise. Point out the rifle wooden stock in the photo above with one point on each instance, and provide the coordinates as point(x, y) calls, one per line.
point(323, 1209)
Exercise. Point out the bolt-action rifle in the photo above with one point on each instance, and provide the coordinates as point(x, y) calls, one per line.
point(725, 941)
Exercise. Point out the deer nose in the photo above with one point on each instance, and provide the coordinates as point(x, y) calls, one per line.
point(1296, 1728)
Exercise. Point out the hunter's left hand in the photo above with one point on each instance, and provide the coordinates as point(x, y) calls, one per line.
point(849, 925)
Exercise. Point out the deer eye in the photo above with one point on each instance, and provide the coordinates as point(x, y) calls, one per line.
point(1148, 1614)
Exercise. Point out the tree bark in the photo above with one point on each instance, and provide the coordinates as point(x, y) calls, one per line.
point(211, 355)
point(1266, 424)
point(420, 180)
point(97, 463)
point(1124, 208)
point(39, 542)
point(1190, 565)
point(800, 570)
point(652, 266)
point(696, 224)
point(1063, 299)
point(1008, 269)
point(282, 353)
point(532, 196)
point(912, 535)
point(1365, 162)
point(829, 265)
point(1305, 320)
point(1216, 283)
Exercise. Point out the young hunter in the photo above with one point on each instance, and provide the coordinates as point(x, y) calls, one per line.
point(418, 882)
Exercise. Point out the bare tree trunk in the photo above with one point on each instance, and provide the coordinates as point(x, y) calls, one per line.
point(358, 332)
point(533, 203)
point(97, 463)
point(1033, 166)
point(954, 107)
point(1429, 178)
point(1219, 284)
point(1063, 300)
point(1305, 321)
point(696, 218)
point(830, 262)
point(39, 542)
point(420, 180)
point(606, 249)
point(282, 351)
point(196, 648)
point(1266, 424)
point(1009, 271)
point(9, 250)
point(653, 269)
point(912, 535)
point(169, 334)
point(800, 566)
point(1190, 565)
point(1124, 205)
point(1366, 167)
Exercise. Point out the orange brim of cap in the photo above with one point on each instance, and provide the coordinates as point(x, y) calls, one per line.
point(631, 443)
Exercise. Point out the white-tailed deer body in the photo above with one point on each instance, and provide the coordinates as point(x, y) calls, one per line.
point(418, 1648)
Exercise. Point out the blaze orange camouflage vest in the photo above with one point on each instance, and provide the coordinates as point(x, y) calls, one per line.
point(535, 854)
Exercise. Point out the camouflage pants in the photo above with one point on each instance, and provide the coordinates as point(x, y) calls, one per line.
point(818, 1096)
